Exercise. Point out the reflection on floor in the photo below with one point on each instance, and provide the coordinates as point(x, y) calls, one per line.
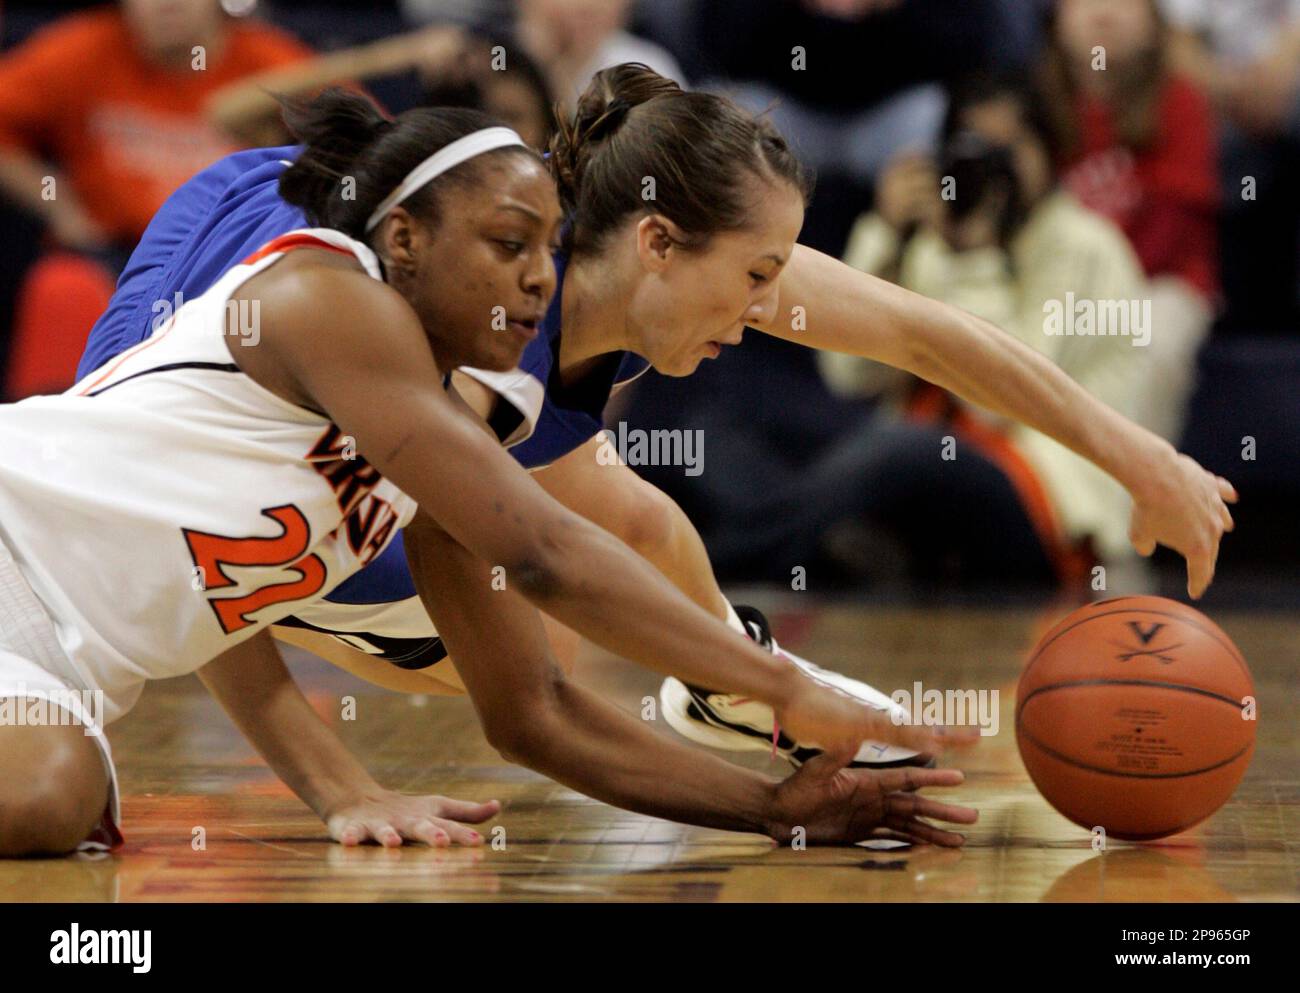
point(187, 774)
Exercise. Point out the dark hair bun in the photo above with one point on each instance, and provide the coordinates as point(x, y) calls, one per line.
point(346, 137)
point(602, 110)
point(336, 127)
point(701, 151)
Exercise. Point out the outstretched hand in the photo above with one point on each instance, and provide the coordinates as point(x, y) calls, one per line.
point(390, 819)
point(820, 715)
point(835, 805)
point(1184, 507)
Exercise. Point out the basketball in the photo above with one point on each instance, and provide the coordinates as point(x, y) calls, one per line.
point(1132, 716)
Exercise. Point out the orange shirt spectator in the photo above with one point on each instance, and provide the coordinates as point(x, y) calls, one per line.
point(111, 104)
point(125, 129)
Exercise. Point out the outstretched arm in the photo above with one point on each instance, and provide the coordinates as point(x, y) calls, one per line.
point(458, 474)
point(537, 717)
point(1176, 502)
point(608, 493)
point(252, 684)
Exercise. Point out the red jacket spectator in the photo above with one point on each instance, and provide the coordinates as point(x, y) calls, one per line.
point(1164, 195)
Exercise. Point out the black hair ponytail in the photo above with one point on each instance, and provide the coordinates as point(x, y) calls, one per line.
point(335, 128)
point(354, 156)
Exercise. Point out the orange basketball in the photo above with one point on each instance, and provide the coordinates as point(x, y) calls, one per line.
point(1132, 715)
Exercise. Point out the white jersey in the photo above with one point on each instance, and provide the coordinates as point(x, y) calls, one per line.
point(168, 507)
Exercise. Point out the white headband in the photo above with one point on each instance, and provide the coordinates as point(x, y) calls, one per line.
point(440, 161)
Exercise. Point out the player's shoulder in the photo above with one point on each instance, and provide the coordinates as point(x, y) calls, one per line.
point(246, 160)
point(323, 283)
point(246, 181)
point(326, 300)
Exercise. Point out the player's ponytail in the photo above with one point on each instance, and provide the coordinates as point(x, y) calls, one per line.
point(638, 142)
point(353, 157)
point(601, 110)
point(334, 129)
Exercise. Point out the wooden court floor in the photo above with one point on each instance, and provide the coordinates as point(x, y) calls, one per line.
point(183, 766)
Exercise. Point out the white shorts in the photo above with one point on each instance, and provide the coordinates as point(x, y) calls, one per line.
point(33, 665)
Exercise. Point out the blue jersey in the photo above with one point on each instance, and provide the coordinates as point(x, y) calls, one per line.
point(230, 210)
point(209, 224)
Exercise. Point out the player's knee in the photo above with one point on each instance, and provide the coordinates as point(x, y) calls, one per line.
point(650, 521)
point(51, 799)
point(42, 823)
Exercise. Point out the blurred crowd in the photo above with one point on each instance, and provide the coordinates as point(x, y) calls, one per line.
point(1110, 152)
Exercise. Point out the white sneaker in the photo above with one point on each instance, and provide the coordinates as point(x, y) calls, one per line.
point(738, 723)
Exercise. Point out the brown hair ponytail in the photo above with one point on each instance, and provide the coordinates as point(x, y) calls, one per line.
point(632, 126)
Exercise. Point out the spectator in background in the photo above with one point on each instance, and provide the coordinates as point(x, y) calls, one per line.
point(1136, 142)
point(867, 83)
point(103, 116)
point(1246, 56)
point(575, 39)
point(519, 94)
point(1008, 248)
point(477, 15)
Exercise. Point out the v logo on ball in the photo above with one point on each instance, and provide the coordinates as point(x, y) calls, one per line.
point(1145, 635)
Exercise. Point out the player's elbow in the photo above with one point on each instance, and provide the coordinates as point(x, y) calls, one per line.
point(537, 576)
point(525, 731)
point(515, 745)
point(551, 566)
